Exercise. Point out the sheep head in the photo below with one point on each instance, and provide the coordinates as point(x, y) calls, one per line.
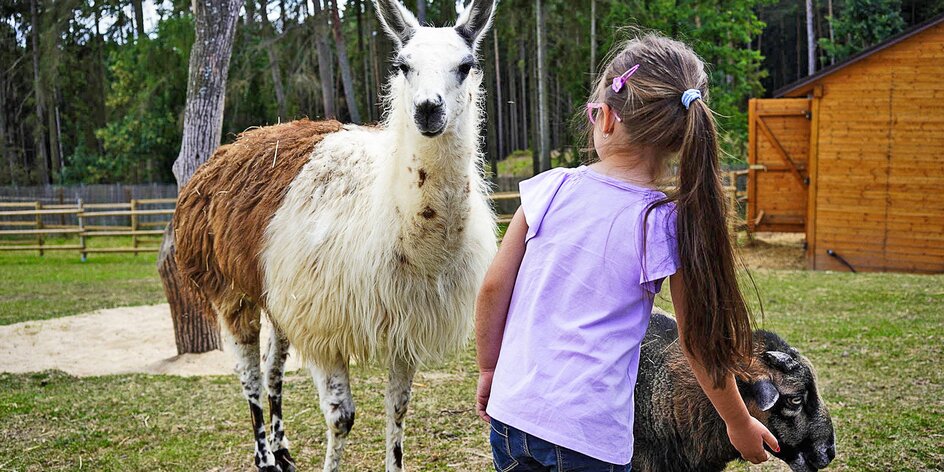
point(783, 395)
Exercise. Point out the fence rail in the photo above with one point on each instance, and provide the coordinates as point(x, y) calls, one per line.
point(32, 223)
point(30, 220)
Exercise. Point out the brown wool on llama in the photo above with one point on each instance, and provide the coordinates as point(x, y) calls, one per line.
point(223, 211)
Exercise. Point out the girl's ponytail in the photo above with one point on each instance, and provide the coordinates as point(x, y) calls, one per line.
point(716, 314)
point(661, 107)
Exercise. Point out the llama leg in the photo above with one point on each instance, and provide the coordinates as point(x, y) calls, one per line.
point(397, 400)
point(337, 404)
point(246, 349)
point(275, 357)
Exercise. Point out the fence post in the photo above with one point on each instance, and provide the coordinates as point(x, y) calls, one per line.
point(81, 218)
point(39, 225)
point(134, 225)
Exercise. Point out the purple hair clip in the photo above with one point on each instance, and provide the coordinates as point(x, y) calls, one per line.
point(620, 82)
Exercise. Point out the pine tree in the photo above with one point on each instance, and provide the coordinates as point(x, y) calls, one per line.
point(862, 24)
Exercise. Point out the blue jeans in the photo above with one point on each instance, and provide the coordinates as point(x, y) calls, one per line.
point(514, 450)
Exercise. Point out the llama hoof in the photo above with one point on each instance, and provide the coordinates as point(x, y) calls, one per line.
point(284, 460)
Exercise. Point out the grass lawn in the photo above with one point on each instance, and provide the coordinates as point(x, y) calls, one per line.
point(34, 287)
point(876, 339)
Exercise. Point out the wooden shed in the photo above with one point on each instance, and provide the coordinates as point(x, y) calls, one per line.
point(854, 157)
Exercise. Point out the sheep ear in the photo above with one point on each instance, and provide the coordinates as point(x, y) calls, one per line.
point(396, 20)
point(475, 20)
point(765, 394)
point(781, 360)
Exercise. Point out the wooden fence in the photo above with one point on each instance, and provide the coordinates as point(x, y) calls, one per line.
point(31, 220)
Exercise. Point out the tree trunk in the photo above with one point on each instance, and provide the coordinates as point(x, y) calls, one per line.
point(39, 127)
point(215, 23)
point(195, 324)
point(500, 147)
point(362, 53)
point(421, 11)
point(346, 76)
point(832, 32)
point(325, 66)
point(269, 39)
point(523, 96)
point(544, 145)
point(138, 16)
point(810, 39)
point(593, 40)
point(513, 108)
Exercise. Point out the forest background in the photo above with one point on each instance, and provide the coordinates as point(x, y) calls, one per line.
point(93, 91)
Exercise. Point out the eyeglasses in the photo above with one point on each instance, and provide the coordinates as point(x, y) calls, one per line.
point(592, 108)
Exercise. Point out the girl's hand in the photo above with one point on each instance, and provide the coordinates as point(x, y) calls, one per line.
point(748, 437)
point(482, 393)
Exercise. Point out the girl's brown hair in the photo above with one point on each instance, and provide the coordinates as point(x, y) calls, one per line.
point(717, 319)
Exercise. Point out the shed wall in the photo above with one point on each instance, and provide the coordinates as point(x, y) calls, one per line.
point(879, 166)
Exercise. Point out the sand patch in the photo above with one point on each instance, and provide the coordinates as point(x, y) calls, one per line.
point(113, 341)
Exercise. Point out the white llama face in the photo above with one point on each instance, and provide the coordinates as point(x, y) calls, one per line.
point(436, 69)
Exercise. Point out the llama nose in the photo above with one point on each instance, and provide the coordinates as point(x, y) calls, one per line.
point(430, 106)
point(430, 116)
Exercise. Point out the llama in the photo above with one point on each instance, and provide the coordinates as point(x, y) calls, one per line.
point(356, 242)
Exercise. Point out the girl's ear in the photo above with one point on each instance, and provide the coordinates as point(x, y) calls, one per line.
point(476, 19)
point(396, 20)
point(609, 119)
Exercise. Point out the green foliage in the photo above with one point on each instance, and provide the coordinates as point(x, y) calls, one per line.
point(721, 33)
point(861, 24)
point(145, 98)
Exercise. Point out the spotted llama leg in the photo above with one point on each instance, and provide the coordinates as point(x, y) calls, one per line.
point(397, 399)
point(274, 368)
point(337, 405)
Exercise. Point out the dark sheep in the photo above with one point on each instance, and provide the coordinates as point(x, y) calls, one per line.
point(678, 430)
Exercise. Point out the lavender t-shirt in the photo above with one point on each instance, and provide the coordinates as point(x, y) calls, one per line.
point(580, 308)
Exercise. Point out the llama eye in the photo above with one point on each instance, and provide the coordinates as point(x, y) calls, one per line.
point(795, 401)
point(463, 71)
point(404, 68)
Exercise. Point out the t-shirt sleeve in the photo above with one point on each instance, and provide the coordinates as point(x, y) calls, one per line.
point(537, 193)
point(660, 257)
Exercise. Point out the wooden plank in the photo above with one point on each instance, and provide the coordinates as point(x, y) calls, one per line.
point(24, 232)
point(39, 212)
point(497, 196)
point(94, 214)
point(142, 232)
point(121, 249)
point(37, 248)
point(812, 176)
point(780, 150)
point(752, 161)
point(152, 201)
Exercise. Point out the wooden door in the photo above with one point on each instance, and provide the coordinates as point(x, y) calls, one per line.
point(778, 153)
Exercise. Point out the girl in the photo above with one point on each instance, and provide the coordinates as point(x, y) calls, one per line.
point(567, 299)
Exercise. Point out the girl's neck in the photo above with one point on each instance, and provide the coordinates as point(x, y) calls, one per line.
point(640, 168)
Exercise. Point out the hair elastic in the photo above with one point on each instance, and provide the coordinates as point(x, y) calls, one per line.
point(620, 82)
point(690, 96)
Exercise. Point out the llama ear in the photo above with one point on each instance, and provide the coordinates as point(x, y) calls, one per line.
point(399, 23)
point(476, 19)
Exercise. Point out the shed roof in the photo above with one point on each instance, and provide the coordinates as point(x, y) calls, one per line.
point(805, 84)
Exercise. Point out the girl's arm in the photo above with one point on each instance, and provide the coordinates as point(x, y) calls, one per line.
point(747, 435)
point(491, 307)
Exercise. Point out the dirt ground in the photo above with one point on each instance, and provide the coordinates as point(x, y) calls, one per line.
point(774, 251)
point(114, 341)
point(141, 339)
